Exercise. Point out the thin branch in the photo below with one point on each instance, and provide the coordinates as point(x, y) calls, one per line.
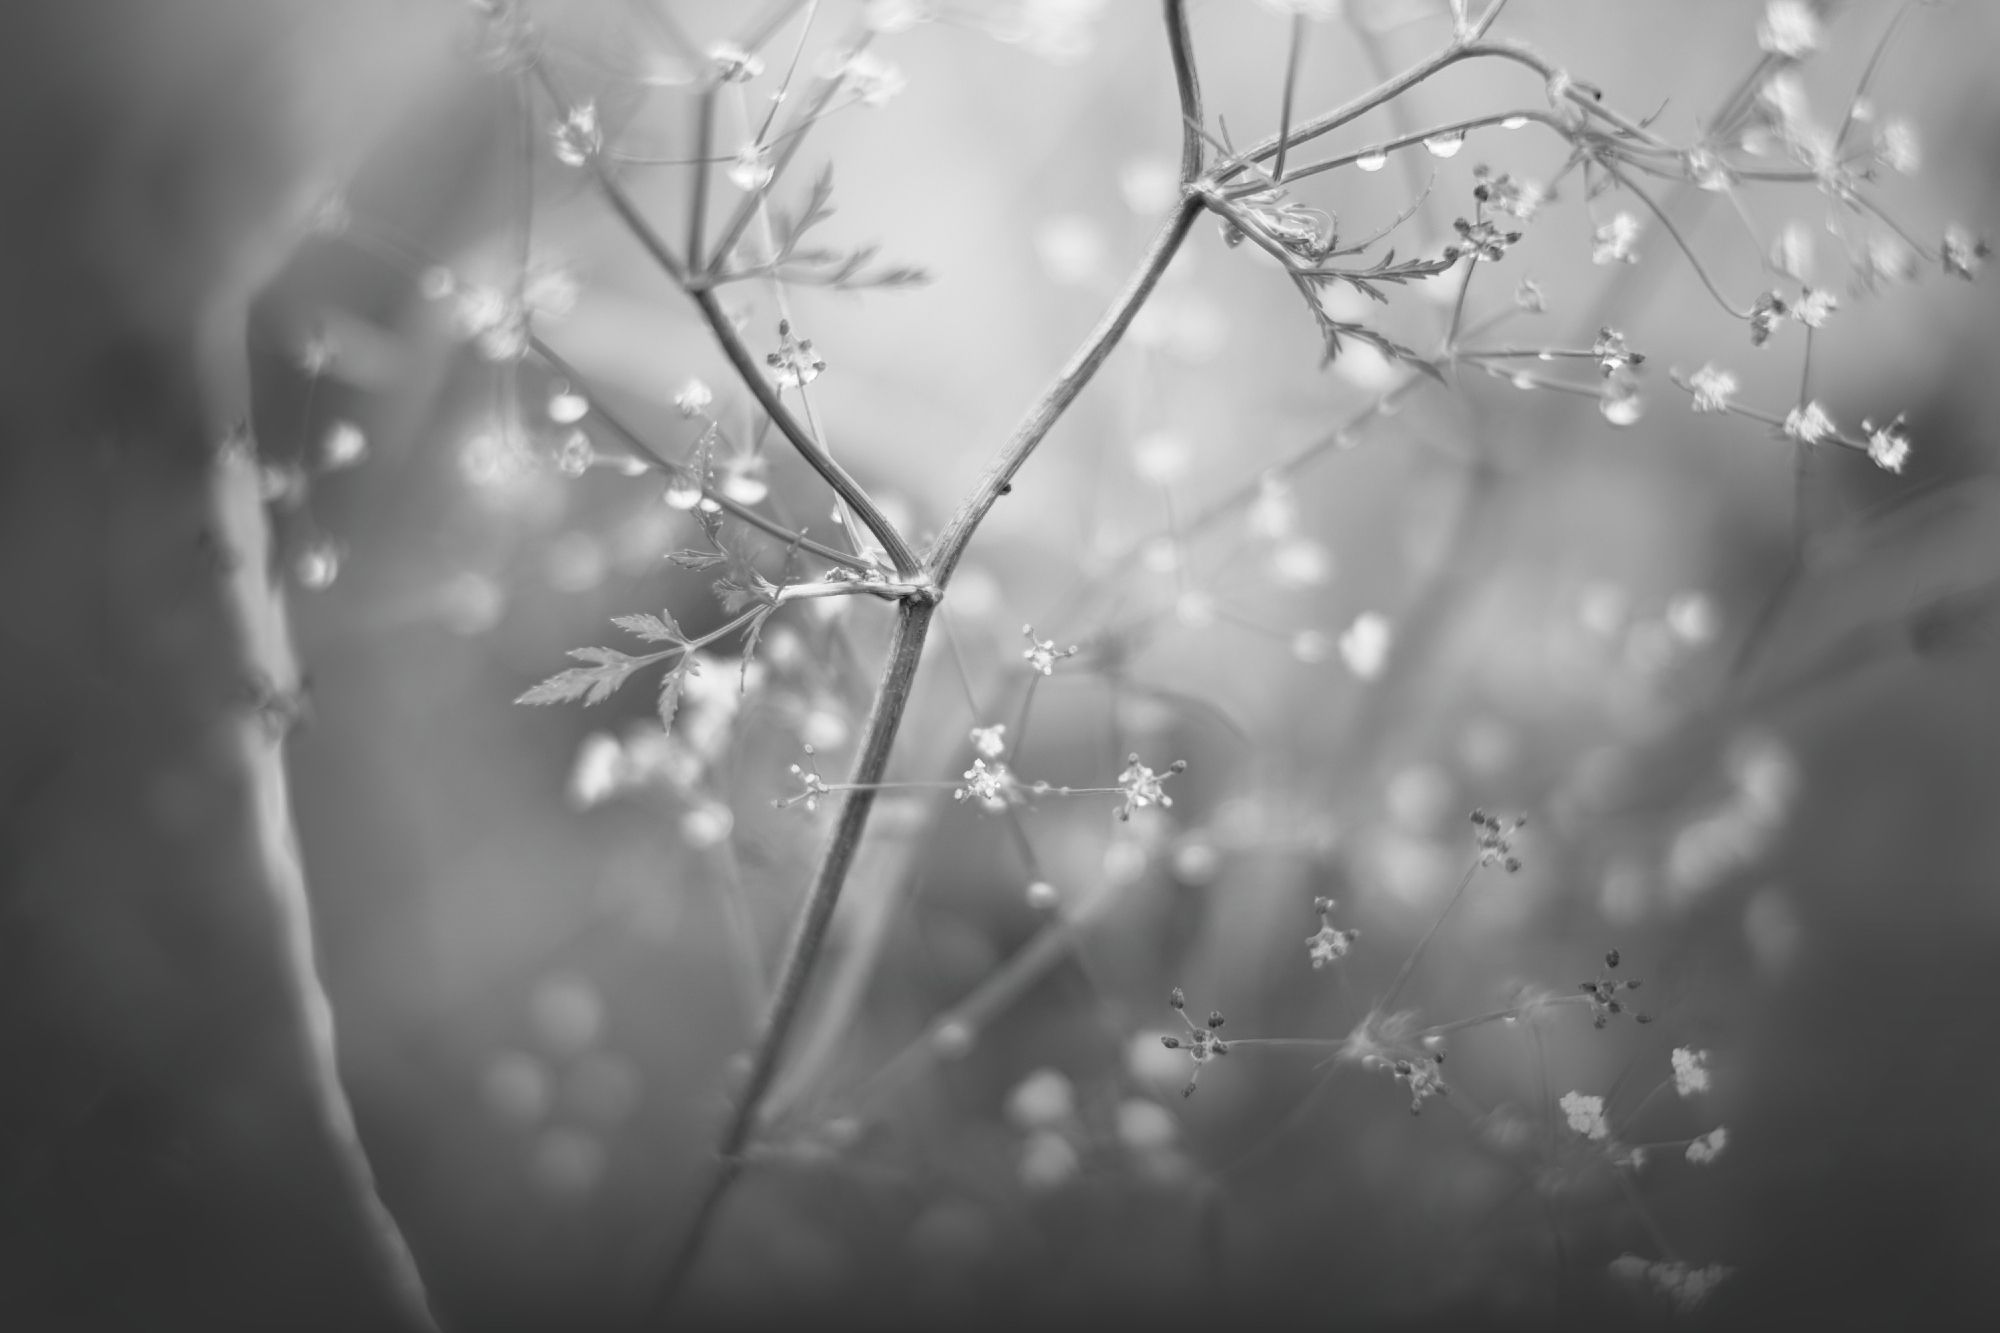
point(1693, 259)
point(760, 386)
point(643, 448)
point(1187, 86)
point(1291, 87)
point(790, 143)
point(704, 144)
point(807, 940)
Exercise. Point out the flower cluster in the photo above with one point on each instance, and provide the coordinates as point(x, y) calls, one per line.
point(990, 784)
point(1495, 838)
point(1329, 944)
point(1603, 993)
point(795, 363)
point(1708, 1147)
point(1384, 1041)
point(1141, 785)
point(1201, 1042)
point(1686, 1286)
point(1042, 654)
point(812, 786)
point(1585, 1115)
point(1690, 1071)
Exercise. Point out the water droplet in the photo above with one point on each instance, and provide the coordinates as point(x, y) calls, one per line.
point(1545, 356)
point(1445, 145)
point(318, 565)
point(683, 490)
point(1523, 381)
point(1513, 122)
point(1372, 161)
point(1042, 895)
point(566, 408)
point(752, 168)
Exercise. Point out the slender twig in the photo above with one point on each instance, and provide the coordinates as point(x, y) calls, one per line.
point(845, 486)
point(1410, 963)
point(788, 147)
point(1291, 87)
point(1082, 366)
point(644, 450)
point(1694, 260)
point(704, 142)
point(807, 940)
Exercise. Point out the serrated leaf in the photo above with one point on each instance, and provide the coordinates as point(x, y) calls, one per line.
point(818, 208)
point(751, 634)
point(591, 684)
point(671, 686)
point(651, 628)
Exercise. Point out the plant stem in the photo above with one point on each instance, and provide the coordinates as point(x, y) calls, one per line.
point(845, 486)
point(623, 430)
point(1083, 364)
point(808, 937)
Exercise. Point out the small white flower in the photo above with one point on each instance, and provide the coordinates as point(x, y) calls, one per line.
point(1711, 387)
point(1791, 29)
point(1585, 1115)
point(1809, 424)
point(1888, 446)
point(1899, 149)
point(1708, 1147)
point(988, 785)
point(872, 80)
point(1690, 1071)
point(1041, 655)
point(990, 742)
point(732, 64)
point(1814, 307)
point(1686, 1286)
point(1613, 242)
point(1329, 945)
point(693, 398)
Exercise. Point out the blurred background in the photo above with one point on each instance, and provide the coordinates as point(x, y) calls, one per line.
point(546, 931)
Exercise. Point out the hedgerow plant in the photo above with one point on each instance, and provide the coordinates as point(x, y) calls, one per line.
point(752, 224)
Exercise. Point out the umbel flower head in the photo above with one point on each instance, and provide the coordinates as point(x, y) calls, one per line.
point(1603, 993)
point(1330, 943)
point(1387, 1041)
point(1201, 1043)
point(1142, 786)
